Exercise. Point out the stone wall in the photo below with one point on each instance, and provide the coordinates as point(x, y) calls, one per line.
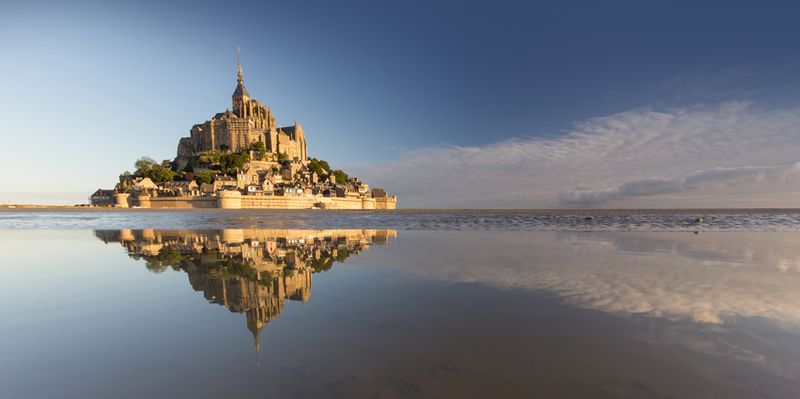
point(183, 202)
point(277, 202)
point(229, 200)
point(386, 203)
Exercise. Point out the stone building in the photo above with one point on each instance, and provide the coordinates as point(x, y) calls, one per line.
point(236, 129)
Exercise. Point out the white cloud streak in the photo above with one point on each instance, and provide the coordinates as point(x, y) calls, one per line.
point(705, 179)
point(703, 156)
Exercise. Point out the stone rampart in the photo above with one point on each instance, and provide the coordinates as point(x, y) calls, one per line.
point(229, 200)
point(234, 200)
point(183, 202)
point(121, 200)
point(277, 202)
point(386, 203)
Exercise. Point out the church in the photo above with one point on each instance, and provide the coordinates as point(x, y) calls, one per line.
point(236, 129)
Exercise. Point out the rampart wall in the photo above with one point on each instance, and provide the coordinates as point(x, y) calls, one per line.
point(234, 200)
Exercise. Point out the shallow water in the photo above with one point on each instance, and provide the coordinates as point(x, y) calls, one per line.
point(386, 313)
point(486, 220)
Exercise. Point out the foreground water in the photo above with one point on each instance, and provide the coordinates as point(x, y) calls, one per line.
point(287, 311)
point(487, 220)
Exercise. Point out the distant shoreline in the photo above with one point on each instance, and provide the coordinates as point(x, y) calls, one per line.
point(78, 208)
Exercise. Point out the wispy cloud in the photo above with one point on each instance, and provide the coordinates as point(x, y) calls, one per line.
point(730, 150)
point(745, 177)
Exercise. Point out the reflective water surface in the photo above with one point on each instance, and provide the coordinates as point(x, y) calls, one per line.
point(385, 313)
point(411, 219)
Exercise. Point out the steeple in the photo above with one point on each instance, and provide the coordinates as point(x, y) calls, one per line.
point(240, 95)
point(239, 67)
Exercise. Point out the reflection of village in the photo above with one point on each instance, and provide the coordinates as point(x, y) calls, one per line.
point(250, 271)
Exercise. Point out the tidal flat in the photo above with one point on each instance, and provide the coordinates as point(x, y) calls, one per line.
point(286, 311)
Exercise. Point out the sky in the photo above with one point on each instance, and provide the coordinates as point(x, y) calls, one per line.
point(448, 104)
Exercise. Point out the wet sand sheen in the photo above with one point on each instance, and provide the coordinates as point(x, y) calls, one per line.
point(363, 313)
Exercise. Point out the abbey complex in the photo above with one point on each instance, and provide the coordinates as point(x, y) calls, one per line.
point(238, 159)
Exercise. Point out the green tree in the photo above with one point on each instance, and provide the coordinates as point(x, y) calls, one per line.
point(148, 167)
point(315, 166)
point(258, 146)
point(204, 177)
point(341, 177)
point(324, 165)
point(232, 162)
point(144, 165)
point(209, 157)
point(161, 174)
point(283, 157)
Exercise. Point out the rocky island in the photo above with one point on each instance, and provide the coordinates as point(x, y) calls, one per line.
point(239, 159)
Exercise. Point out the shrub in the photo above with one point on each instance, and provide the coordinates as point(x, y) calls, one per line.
point(258, 146)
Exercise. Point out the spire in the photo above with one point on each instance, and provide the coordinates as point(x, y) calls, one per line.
point(239, 67)
point(240, 94)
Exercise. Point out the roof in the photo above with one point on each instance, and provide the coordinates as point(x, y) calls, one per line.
point(103, 193)
point(144, 184)
point(179, 184)
point(240, 90)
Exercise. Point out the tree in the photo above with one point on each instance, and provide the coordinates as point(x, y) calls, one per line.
point(204, 177)
point(324, 165)
point(160, 174)
point(209, 157)
point(258, 146)
point(315, 166)
point(283, 157)
point(341, 177)
point(144, 164)
point(148, 167)
point(232, 162)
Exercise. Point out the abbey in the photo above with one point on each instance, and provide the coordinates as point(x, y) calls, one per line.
point(239, 159)
point(236, 130)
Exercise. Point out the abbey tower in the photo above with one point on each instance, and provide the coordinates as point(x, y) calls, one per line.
point(235, 130)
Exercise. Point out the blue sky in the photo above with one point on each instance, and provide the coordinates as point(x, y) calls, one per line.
point(389, 90)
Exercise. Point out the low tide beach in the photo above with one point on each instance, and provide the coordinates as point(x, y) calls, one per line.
point(400, 304)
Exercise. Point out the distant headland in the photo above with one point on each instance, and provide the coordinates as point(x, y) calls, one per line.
point(241, 159)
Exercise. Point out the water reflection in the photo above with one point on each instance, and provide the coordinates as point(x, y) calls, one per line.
point(712, 278)
point(434, 314)
point(252, 271)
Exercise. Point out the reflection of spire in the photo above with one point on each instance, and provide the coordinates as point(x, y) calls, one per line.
point(257, 330)
point(257, 345)
point(255, 324)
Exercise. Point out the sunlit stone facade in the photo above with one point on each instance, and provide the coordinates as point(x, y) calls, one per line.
point(236, 129)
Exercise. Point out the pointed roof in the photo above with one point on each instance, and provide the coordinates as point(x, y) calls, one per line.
point(240, 89)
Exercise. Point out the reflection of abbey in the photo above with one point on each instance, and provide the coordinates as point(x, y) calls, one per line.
point(242, 158)
point(248, 271)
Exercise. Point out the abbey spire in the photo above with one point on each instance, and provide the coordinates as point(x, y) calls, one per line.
point(239, 66)
point(241, 98)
